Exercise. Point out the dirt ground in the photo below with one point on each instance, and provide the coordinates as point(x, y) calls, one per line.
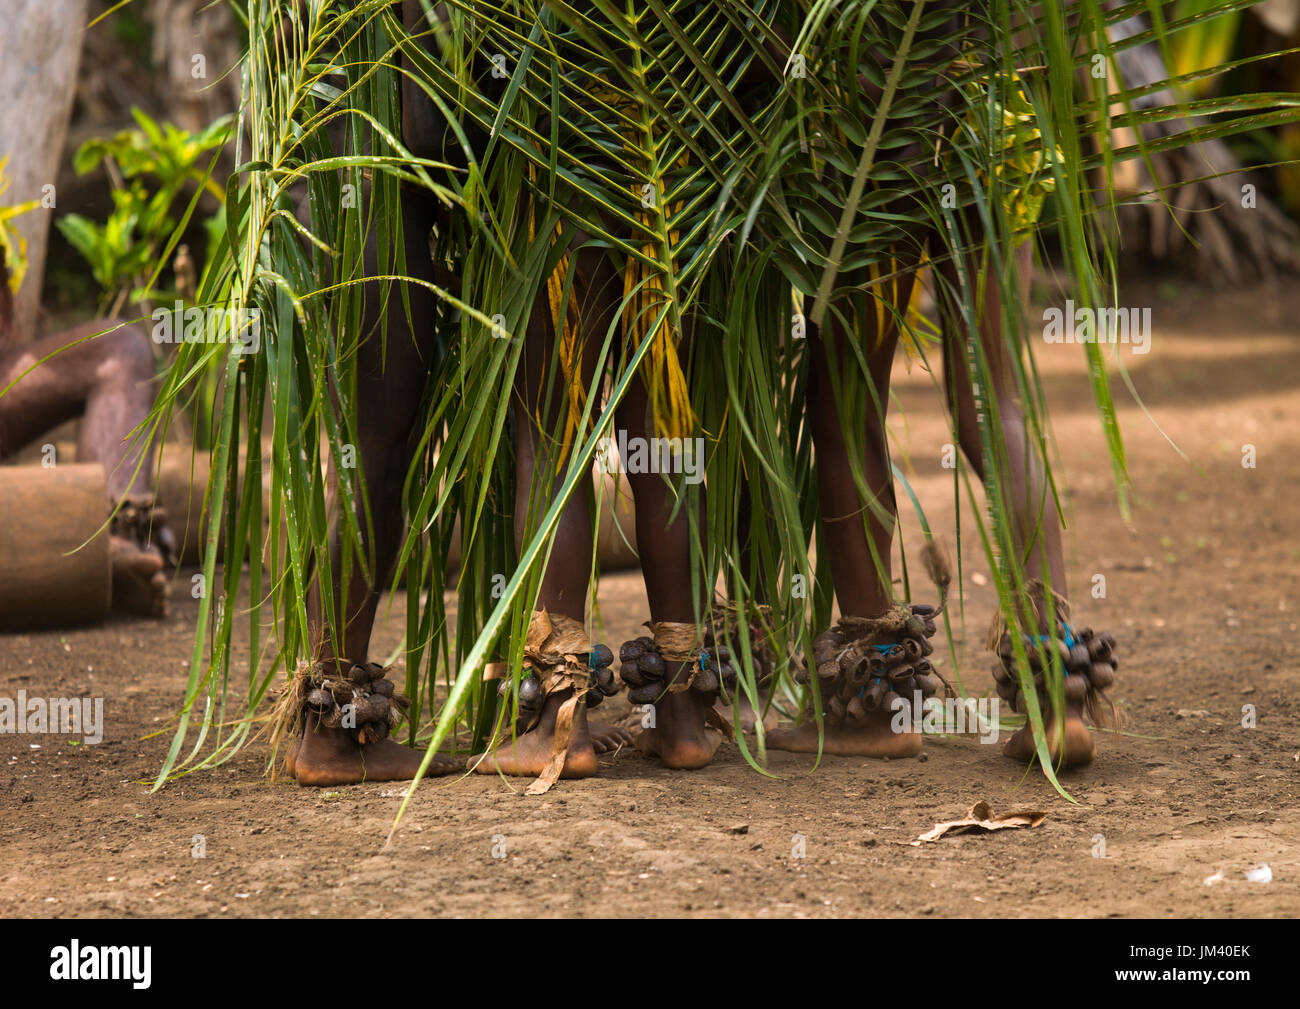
point(1201, 595)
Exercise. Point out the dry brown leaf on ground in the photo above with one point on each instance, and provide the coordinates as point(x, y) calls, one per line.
point(981, 820)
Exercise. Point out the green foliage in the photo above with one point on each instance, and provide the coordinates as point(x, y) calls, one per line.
point(150, 166)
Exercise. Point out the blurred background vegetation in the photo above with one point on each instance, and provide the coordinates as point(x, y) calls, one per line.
point(144, 127)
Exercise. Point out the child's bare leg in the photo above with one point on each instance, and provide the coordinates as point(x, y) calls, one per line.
point(107, 381)
point(858, 536)
point(679, 736)
point(390, 384)
point(540, 408)
point(1021, 474)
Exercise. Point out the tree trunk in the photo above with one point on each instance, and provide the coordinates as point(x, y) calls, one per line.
point(40, 49)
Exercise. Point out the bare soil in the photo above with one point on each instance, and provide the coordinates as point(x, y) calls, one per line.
point(1201, 595)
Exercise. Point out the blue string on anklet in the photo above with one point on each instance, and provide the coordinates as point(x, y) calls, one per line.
point(1070, 640)
point(862, 690)
point(883, 650)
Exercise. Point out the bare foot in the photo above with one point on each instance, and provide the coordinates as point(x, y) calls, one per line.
point(679, 736)
point(1079, 746)
point(528, 755)
point(333, 757)
point(139, 584)
point(874, 736)
point(607, 738)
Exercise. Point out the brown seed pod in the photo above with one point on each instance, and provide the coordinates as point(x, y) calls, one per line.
point(1001, 674)
point(1084, 634)
point(873, 694)
point(848, 661)
point(928, 685)
point(828, 670)
point(362, 712)
point(604, 677)
point(923, 609)
point(651, 665)
point(912, 648)
point(1052, 646)
point(601, 656)
point(727, 674)
point(1076, 687)
point(1098, 650)
point(342, 694)
point(901, 672)
point(1101, 675)
point(530, 692)
point(1007, 691)
point(854, 709)
point(926, 647)
point(1080, 660)
point(827, 639)
point(706, 682)
point(836, 708)
point(931, 629)
point(1109, 641)
point(647, 644)
point(630, 652)
point(859, 674)
point(647, 694)
point(631, 673)
point(360, 675)
point(383, 687)
point(888, 701)
point(379, 708)
point(319, 699)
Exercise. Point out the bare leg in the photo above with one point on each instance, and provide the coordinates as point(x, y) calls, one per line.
point(389, 389)
point(540, 408)
point(680, 737)
point(1021, 475)
point(858, 536)
point(108, 382)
